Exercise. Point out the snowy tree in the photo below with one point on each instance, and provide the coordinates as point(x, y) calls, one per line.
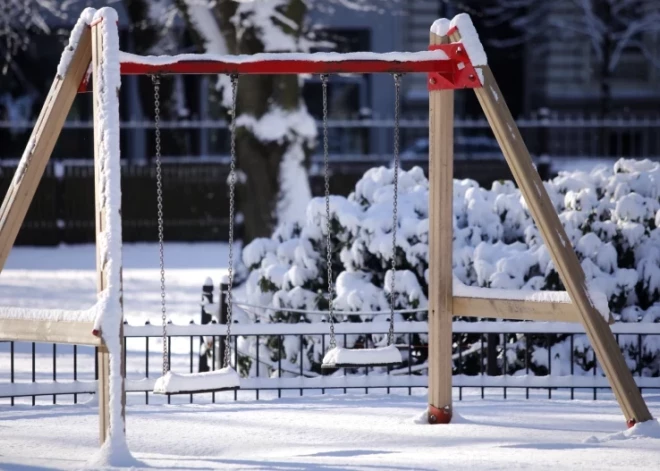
point(276, 134)
point(289, 270)
point(611, 215)
point(20, 17)
point(610, 27)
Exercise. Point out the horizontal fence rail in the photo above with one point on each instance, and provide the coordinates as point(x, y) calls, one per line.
point(72, 368)
point(196, 165)
point(556, 121)
point(554, 135)
point(195, 194)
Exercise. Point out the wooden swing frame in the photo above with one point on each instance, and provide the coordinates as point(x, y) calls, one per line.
point(451, 70)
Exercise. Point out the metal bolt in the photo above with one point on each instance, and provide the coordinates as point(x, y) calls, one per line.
point(471, 77)
point(433, 81)
point(459, 50)
point(432, 418)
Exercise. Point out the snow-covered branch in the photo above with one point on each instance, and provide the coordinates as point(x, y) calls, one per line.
point(20, 18)
point(609, 27)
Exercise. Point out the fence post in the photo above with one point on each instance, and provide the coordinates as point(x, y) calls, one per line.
point(222, 319)
point(491, 354)
point(204, 350)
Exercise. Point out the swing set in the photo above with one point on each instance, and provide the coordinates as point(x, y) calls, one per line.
point(455, 60)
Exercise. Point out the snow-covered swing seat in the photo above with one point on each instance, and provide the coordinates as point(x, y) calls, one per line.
point(225, 378)
point(341, 357)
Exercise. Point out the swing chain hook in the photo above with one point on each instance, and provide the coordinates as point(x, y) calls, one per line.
point(159, 197)
point(328, 242)
point(232, 185)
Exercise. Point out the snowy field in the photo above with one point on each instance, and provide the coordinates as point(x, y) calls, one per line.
point(354, 432)
point(65, 277)
point(374, 432)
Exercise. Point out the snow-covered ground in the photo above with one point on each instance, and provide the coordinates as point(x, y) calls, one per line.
point(354, 432)
point(65, 277)
point(374, 432)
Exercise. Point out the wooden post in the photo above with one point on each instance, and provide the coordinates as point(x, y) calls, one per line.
point(103, 356)
point(562, 253)
point(441, 181)
point(40, 146)
point(101, 272)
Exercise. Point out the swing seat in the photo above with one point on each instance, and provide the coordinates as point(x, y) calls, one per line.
point(225, 379)
point(340, 357)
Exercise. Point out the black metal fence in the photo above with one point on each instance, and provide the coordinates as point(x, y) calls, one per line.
point(195, 196)
point(558, 135)
point(51, 376)
point(60, 373)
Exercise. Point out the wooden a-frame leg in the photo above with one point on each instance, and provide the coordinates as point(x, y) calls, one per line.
point(441, 181)
point(562, 253)
point(103, 357)
point(40, 146)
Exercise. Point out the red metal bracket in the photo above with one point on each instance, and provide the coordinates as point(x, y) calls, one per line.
point(451, 31)
point(85, 83)
point(462, 73)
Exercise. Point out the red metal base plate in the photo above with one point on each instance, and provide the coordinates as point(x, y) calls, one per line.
point(439, 416)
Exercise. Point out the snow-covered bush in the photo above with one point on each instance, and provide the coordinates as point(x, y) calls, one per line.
point(611, 216)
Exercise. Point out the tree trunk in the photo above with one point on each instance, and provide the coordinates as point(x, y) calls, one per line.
point(259, 161)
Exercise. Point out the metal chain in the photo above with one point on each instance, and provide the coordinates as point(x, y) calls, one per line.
point(397, 92)
point(159, 197)
point(232, 184)
point(328, 243)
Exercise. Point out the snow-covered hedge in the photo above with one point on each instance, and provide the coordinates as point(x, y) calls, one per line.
point(611, 216)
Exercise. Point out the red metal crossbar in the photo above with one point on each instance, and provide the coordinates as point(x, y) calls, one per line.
point(450, 70)
point(268, 67)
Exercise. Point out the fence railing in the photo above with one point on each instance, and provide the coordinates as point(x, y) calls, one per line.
point(30, 370)
point(195, 194)
point(552, 134)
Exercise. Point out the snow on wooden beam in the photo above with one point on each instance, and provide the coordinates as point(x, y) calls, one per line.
point(515, 309)
point(49, 331)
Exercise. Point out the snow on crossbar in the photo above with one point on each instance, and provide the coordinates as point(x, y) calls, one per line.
point(532, 298)
point(339, 357)
point(218, 380)
point(290, 63)
point(446, 62)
